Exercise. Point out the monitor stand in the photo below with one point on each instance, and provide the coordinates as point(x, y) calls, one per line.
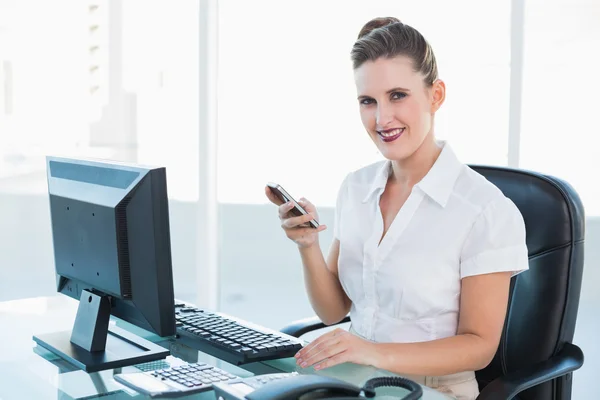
point(93, 346)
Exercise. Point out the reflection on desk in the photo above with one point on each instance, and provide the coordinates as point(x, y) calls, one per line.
point(28, 371)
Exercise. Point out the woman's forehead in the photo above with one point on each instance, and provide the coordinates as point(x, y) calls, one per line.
point(384, 74)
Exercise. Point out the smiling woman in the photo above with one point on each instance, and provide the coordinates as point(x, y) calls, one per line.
point(396, 77)
point(424, 247)
point(403, 115)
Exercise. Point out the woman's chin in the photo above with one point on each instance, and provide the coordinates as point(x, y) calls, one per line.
point(394, 154)
point(396, 150)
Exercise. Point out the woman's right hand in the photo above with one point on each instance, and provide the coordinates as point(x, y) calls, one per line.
point(297, 228)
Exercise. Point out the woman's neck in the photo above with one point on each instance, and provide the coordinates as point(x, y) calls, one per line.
point(411, 170)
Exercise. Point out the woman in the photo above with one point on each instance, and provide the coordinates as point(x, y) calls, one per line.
point(424, 247)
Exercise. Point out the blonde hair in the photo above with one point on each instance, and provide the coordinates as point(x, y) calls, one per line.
point(387, 37)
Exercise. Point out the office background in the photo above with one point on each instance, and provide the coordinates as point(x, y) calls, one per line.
point(231, 95)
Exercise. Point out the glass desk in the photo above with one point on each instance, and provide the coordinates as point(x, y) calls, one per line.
point(28, 371)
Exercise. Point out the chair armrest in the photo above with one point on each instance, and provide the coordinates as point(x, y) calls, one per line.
point(569, 359)
point(302, 326)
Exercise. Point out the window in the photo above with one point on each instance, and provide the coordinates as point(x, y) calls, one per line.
point(43, 70)
point(560, 94)
point(287, 107)
point(95, 79)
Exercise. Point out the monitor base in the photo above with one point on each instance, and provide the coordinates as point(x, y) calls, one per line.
point(123, 349)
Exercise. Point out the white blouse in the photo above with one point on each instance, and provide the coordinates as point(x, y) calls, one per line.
point(454, 224)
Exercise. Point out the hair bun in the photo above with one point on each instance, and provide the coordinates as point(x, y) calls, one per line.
point(376, 23)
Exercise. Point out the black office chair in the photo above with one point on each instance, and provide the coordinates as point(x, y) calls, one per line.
point(536, 357)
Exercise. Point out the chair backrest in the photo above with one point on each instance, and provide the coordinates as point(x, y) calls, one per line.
point(544, 300)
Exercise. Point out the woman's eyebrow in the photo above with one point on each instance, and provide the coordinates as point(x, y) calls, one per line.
point(396, 89)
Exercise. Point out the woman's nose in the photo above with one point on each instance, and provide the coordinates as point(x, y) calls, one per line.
point(384, 115)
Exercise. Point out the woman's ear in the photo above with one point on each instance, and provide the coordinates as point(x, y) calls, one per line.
point(438, 95)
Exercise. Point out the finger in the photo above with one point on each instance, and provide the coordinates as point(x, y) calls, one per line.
point(321, 228)
point(301, 235)
point(325, 338)
point(272, 197)
point(307, 205)
point(339, 358)
point(318, 354)
point(330, 350)
point(295, 221)
point(284, 208)
point(303, 352)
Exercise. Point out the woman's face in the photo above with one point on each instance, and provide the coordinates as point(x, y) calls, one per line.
point(396, 108)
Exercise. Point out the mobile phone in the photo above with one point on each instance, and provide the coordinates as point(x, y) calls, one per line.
point(284, 196)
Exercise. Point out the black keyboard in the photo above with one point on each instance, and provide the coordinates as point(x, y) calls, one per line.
point(231, 339)
point(176, 381)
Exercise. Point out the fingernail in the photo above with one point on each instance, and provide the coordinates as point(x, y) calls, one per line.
point(317, 366)
point(299, 361)
point(303, 365)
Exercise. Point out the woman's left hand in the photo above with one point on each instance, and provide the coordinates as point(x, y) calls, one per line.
point(336, 347)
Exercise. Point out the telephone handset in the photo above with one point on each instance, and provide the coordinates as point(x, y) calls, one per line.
point(291, 386)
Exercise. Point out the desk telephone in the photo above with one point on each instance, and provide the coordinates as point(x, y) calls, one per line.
point(292, 386)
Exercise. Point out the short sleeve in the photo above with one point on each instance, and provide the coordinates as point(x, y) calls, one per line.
point(496, 242)
point(341, 197)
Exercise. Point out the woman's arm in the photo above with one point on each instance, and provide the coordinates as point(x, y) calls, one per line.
point(326, 295)
point(484, 300)
point(325, 292)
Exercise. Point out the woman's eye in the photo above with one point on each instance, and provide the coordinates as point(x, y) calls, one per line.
point(366, 101)
point(398, 95)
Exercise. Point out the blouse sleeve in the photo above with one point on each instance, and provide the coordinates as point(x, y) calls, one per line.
point(496, 242)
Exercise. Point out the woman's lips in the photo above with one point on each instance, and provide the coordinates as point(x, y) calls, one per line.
point(389, 135)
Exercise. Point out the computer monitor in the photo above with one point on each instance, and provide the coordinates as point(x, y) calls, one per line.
point(112, 252)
